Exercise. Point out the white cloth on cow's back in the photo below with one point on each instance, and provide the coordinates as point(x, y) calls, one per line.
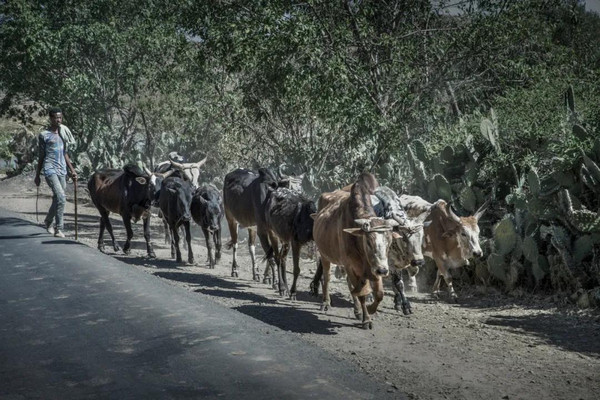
point(386, 204)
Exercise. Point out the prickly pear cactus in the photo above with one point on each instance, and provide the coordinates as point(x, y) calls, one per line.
point(530, 249)
point(534, 182)
point(505, 236)
point(467, 199)
point(497, 266)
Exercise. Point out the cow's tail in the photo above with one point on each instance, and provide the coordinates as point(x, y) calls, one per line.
point(314, 285)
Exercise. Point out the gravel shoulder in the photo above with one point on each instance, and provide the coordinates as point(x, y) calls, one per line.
point(487, 346)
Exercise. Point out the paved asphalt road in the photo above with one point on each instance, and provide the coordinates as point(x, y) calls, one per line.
point(75, 323)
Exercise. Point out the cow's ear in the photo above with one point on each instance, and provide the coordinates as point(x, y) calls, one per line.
point(171, 190)
point(355, 231)
point(396, 235)
point(141, 180)
point(314, 215)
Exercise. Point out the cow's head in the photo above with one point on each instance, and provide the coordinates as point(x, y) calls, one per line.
point(210, 210)
point(376, 235)
point(190, 171)
point(180, 191)
point(138, 190)
point(412, 234)
point(466, 230)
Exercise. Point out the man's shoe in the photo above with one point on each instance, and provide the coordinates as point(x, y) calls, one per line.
point(59, 234)
point(49, 228)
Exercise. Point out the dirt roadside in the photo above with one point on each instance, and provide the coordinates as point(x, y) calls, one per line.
point(488, 346)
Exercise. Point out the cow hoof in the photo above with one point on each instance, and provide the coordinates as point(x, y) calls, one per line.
point(191, 261)
point(117, 249)
point(152, 255)
point(234, 274)
point(324, 307)
point(101, 248)
point(367, 325)
point(293, 296)
point(179, 260)
point(256, 278)
point(128, 251)
point(406, 310)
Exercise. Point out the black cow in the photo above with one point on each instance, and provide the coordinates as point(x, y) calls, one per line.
point(128, 192)
point(289, 221)
point(245, 194)
point(174, 201)
point(207, 211)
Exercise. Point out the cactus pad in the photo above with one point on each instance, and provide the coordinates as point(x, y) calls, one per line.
point(497, 266)
point(530, 249)
point(505, 236)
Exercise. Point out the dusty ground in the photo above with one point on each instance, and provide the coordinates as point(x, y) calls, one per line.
point(488, 346)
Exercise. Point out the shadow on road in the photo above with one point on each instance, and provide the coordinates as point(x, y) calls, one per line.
point(290, 319)
point(562, 331)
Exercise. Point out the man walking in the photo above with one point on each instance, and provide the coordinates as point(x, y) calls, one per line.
point(53, 161)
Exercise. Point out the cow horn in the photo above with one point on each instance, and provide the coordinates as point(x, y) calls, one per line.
point(482, 209)
point(147, 171)
point(452, 214)
point(280, 171)
point(391, 223)
point(201, 162)
point(177, 165)
point(364, 223)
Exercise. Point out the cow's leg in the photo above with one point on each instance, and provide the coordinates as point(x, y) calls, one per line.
point(252, 249)
point(217, 240)
point(316, 281)
point(272, 255)
point(400, 300)
point(448, 278)
point(437, 283)
point(110, 231)
point(188, 240)
point(168, 238)
point(326, 265)
point(103, 217)
point(149, 248)
point(356, 302)
point(172, 241)
point(283, 288)
point(412, 278)
point(129, 230)
point(175, 234)
point(377, 294)
point(280, 258)
point(182, 233)
point(296, 260)
point(233, 243)
point(209, 247)
point(366, 320)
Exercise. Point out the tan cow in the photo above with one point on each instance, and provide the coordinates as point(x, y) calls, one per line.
point(347, 232)
point(450, 240)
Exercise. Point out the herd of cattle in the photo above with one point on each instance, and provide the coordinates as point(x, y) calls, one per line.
point(365, 228)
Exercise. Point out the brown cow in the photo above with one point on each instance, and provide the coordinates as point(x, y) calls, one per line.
point(347, 232)
point(450, 240)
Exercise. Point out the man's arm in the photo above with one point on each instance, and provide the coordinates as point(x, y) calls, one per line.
point(71, 168)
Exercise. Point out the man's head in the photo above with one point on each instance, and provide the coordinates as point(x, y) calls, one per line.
point(55, 115)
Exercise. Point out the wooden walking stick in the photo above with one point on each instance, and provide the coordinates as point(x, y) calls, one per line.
point(75, 198)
